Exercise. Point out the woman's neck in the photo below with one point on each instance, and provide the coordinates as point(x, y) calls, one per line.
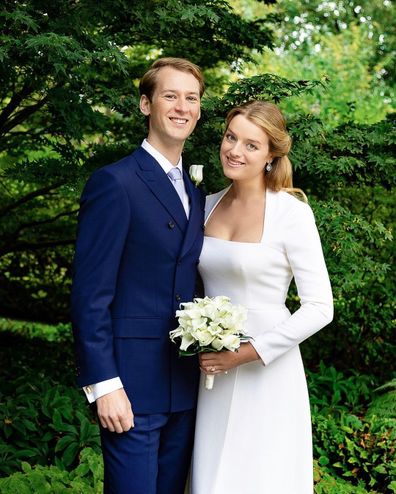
point(246, 191)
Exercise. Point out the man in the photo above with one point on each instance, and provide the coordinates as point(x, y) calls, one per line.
point(139, 239)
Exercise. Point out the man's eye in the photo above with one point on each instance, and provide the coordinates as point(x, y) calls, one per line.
point(192, 98)
point(169, 96)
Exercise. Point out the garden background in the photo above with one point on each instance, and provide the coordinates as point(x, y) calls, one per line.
point(69, 71)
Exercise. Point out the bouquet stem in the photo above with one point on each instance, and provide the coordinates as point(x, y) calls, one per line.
point(209, 380)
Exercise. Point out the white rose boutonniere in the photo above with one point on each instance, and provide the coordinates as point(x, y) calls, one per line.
point(196, 174)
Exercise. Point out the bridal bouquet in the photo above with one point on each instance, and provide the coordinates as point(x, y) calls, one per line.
point(209, 325)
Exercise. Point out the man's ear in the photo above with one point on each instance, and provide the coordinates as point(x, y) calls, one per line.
point(144, 105)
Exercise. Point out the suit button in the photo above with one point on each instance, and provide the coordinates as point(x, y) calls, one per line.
point(177, 297)
point(179, 261)
point(171, 225)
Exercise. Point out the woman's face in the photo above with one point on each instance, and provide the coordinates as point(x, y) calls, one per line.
point(244, 150)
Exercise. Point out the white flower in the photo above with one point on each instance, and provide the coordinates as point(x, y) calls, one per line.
point(209, 324)
point(231, 342)
point(196, 174)
point(187, 340)
point(213, 323)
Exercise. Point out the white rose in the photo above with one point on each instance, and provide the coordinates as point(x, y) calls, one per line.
point(196, 174)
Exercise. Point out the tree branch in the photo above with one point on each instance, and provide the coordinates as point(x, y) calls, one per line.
point(27, 246)
point(47, 221)
point(22, 115)
point(14, 103)
point(29, 197)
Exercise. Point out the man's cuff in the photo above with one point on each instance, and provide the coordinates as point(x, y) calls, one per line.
point(95, 391)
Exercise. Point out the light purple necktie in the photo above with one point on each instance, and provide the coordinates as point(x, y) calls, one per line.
point(177, 181)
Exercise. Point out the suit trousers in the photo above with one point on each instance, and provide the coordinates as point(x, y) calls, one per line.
point(152, 458)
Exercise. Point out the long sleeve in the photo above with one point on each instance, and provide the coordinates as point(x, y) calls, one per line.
point(103, 226)
point(303, 249)
point(95, 391)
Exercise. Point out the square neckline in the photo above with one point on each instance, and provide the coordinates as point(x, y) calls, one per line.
point(236, 241)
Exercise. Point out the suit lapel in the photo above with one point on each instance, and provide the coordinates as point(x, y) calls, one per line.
point(196, 214)
point(156, 179)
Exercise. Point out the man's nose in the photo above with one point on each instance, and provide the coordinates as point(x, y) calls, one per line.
point(181, 105)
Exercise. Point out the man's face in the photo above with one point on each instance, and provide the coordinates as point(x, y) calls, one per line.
point(174, 109)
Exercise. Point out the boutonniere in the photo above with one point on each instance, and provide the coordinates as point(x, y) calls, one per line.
point(196, 174)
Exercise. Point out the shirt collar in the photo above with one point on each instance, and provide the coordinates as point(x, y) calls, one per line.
point(165, 164)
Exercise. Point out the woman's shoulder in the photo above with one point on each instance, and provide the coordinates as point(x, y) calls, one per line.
point(289, 200)
point(288, 205)
point(212, 199)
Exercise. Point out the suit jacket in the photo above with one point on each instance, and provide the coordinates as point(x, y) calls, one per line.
point(135, 262)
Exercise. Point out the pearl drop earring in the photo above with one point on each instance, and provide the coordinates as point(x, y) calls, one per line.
point(268, 167)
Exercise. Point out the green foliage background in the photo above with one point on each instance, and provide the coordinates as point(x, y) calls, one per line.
point(68, 104)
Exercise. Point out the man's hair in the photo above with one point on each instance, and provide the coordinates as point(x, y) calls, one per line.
point(149, 80)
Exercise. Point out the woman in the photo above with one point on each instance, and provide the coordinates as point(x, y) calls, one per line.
point(253, 431)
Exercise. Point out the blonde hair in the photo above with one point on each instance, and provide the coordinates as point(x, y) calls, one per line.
point(269, 118)
point(148, 82)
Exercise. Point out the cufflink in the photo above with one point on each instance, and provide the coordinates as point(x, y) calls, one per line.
point(88, 389)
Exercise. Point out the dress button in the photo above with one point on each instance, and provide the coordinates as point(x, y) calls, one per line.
point(177, 297)
point(171, 225)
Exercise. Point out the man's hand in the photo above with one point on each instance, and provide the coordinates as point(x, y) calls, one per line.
point(115, 411)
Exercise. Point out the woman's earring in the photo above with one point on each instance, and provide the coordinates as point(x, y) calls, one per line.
point(268, 167)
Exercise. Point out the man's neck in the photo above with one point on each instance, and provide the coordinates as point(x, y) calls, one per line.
point(171, 152)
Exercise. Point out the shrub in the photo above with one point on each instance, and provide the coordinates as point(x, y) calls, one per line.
point(384, 404)
point(357, 448)
point(325, 483)
point(44, 423)
point(331, 391)
point(86, 478)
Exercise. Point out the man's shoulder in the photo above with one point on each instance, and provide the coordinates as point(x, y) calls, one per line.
point(127, 163)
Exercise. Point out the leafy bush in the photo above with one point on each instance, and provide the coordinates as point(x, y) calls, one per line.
point(33, 359)
point(360, 449)
point(384, 405)
point(326, 483)
point(30, 329)
point(42, 419)
point(331, 391)
point(86, 478)
point(44, 423)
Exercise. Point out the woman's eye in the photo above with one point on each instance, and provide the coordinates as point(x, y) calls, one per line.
point(251, 147)
point(230, 137)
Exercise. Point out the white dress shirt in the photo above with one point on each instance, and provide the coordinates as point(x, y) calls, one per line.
point(166, 165)
point(95, 391)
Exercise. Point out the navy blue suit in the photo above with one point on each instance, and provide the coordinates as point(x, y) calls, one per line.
point(135, 262)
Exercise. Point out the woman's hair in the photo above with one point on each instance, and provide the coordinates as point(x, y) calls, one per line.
point(269, 118)
point(149, 80)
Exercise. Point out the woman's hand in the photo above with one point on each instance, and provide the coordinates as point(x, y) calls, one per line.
point(218, 362)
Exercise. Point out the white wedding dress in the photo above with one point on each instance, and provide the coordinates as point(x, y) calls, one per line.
point(253, 431)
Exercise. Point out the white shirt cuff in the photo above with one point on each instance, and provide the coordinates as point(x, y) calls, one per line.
point(95, 391)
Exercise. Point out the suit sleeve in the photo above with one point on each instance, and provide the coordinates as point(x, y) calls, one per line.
point(102, 229)
point(304, 252)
